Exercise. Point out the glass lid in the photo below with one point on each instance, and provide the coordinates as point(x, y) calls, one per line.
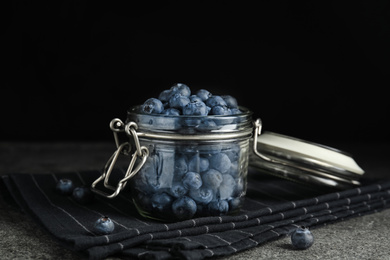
point(303, 161)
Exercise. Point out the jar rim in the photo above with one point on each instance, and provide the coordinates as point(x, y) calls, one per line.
point(245, 113)
point(192, 127)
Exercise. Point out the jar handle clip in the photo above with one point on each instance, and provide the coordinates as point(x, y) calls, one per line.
point(141, 152)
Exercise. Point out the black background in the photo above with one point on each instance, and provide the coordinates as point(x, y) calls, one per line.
point(311, 70)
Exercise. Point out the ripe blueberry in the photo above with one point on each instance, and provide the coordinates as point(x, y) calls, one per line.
point(152, 106)
point(104, 226)
point(230, 101)
point(182, 89)
point(212, 178)
point(203, 94)
point(171, 112)
point(192, 181)
point(184, 208)
point(220, 110)
point(302, 238)
point(82, 195)
point(178, 101)
point(161, 201)
point(215, 101)
point(195, 108)
point(218, 207)
point(220, 162)
point(65, 187)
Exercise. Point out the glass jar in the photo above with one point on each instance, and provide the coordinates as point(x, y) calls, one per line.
point(183, 166)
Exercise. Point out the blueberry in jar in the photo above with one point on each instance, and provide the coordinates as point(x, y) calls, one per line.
point(203, 195)
point(195, 109)
point(195, 99)
point(212, 178)
point(220, 110)
point(227, 186)
point(203, 94)
point(181, 166)
point(230, 101)
point(220, 162)
point(178, 101)
point(182, 89)
point(184, 208)
point(161, 201)
point(218, 207)
point(178, 190)
point(152, 106)
point(165, 95)
point(198, 163)
point(215, 101)
point(171, 112)
point(192, 181)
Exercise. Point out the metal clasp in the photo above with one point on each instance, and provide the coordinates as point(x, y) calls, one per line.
point(141, 152)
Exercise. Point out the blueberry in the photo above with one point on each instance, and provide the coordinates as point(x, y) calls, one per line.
point(203, 195)
point(171, 112)
point(178, 190)
point(235, 203)
point(178, 101)
point(218, 207)
point(221, 110)
point(181, 166)
point(165, 95)
point(146, 179)
point(161, 201)
point(212, 178)
point(195, 98)
point(195, 108)
point(236, 111)
point(198, 163)
point(184, 208)
point(207, 124)
point(65, 187)
point(220, 162)
point(234, 170)
point(234, 152)
point(230, 101)
point(227, 187)
point(192, 180)
point(215, 101)
point(152, 106)
point(82, 195)
point(302, 238)
point(182, 89)
point(203, 94)
point(104, 226)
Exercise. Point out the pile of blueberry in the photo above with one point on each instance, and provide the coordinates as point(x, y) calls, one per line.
point(191, 179)
point(178, 101)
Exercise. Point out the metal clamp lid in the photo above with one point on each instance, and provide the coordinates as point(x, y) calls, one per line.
point(303, 161)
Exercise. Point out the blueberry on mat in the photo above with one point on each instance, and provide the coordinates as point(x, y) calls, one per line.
point(65, 186)
point(82, 195)
point(104, 226)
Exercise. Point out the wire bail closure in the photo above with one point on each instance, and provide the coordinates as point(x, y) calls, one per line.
point(141, 152)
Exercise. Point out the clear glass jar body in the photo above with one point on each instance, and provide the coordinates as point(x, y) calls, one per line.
point(197, 166)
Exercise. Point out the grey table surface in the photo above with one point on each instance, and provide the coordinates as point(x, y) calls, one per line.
point(364, 237)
